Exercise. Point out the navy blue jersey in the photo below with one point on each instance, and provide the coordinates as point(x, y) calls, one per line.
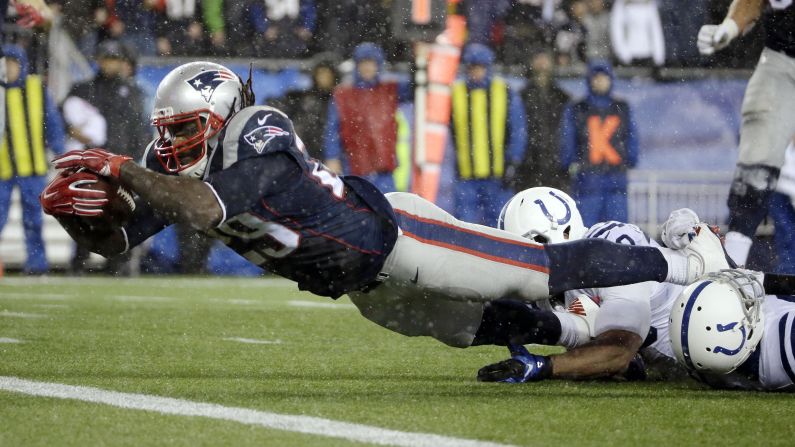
point(288, 214)
point(779, 20)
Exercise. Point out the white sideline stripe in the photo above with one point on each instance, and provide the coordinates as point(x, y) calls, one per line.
point(238, 301)
point(52, 306)
point(10, 340)
point(140, 298)
point(38, 296)
point(253, 341)
point(293, 423)
point(153, 281)
point(301, 303)
point(7, 313)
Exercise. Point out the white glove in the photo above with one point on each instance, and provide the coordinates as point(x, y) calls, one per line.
point(712, 38)
point(679, 229)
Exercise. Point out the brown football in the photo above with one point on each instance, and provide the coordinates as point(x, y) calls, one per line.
point(117, 211)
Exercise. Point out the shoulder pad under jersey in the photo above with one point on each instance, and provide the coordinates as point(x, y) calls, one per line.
point(620, 232)
point(255, 131)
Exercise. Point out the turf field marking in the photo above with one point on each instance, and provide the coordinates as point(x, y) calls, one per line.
point(293, 423)
point(253, 341)
point(153, 281)
point(7, 313)
point(238, 301)
point(315, 304)
point(140, 298)
point(52, 306)
point(10, 340)
point(36, 296)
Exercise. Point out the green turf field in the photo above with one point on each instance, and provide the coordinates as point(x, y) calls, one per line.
point(260, 344)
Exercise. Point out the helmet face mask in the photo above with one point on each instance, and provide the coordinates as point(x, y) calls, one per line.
point(717, 322)
point(192, 105)
point(544, 215)
point(183, 139)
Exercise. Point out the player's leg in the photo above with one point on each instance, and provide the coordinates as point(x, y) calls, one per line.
point(507, 322)
point(30, 188)
point(441, 271)
point(783, 215)
point(767, 128)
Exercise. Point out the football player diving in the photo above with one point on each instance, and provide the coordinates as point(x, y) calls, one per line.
point(240, 173)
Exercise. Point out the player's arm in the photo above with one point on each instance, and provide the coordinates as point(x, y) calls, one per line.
point(745, 12)
point(741, 16)
point(607, 355)
point(181, 200)
point(106, 241)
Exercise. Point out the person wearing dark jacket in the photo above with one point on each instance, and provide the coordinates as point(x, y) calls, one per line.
point(599, 143)
point(544, 102)
point(309, 108)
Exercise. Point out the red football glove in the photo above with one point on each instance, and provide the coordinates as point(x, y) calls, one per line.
point(67, 195)
point(27, 15)
point(100, 161)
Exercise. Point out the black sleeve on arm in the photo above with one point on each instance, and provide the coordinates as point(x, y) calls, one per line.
point(143, 223)
point(779, 284)
point(242, 185)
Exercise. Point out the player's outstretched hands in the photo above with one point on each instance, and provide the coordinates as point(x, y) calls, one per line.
point(679, 230)
point(99, 161)
point(712, 38)
point(520, 368)
point(67, 195)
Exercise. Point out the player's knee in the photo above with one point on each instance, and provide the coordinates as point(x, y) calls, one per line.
point(750, 193)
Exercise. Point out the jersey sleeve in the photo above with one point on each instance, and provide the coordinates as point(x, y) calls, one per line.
point(258, 131)
point(239, 187)
point(143, 224)
point(625, 308)
point(619, 232)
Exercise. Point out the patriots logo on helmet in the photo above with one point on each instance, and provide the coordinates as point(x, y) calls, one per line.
point(207, 81)
point(262, 135)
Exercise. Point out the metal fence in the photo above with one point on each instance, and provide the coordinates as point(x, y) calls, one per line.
point(654, 194)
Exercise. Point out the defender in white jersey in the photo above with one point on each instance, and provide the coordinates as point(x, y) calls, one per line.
point(621, 320)
point(730, 335)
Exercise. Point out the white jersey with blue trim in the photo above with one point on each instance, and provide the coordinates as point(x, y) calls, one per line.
point(642, 308)
point(772, 366)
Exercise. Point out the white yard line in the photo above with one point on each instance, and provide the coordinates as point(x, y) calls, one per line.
point(153, 281)
point(33, 295)
point(319, 305)
point(10, 340)
point(253, 341)
point(7, 313)
point(140, 298)
point(299, 424)
point(238, 301)
point(52, 306)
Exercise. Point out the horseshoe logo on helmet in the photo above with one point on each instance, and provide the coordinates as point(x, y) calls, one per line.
point(549, 215)
point(728, 327)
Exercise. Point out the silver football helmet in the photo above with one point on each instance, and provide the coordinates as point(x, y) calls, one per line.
point(192, 104)
point(717, 322)
point(545, 215)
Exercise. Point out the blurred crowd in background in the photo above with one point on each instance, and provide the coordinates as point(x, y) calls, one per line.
point(628, 32)
point(536, 133)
